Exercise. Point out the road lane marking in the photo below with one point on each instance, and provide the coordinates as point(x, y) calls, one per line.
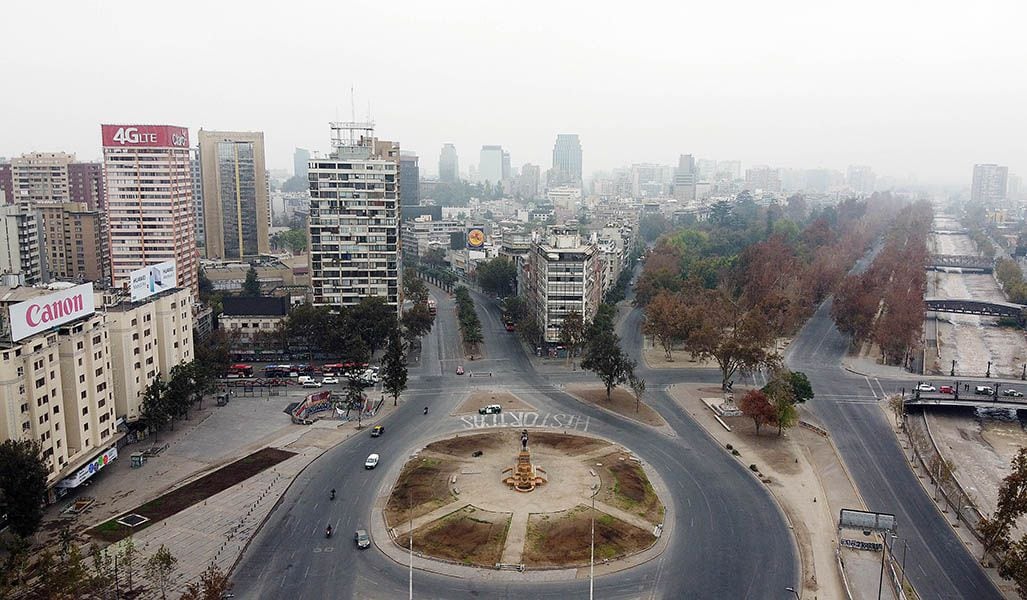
point(527, 419)
point(869, 385)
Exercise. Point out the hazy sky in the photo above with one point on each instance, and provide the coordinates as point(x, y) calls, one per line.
point(905, 86)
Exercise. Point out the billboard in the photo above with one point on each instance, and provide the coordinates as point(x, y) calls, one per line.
point(867, 521)
point(151, 280)
point(475, 237)
point(146, 136)
point(44, 312)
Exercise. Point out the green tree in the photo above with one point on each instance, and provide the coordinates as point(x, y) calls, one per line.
point(394, 368)
point(514, 308)
point(251, 287)
point(637, 385)
point(497, 276)
point(160, 568)
point(572, 334)
point(22, 485)
point(802, 390)
point(373, 320)
point(604, 357)
point(416, 322)
point(1011, 505)
point(154, 409)
point(213, 585)
point(129, 554)
point(414, 289)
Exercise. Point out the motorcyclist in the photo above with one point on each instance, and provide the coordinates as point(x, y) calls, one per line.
point(333, 493)
point(328, 531)
point(425, 410)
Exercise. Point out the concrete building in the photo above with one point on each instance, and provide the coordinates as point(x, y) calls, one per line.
point(56, 384)
point(423, 233)
point(236, 210)
point(763, 178)
point(75, 242)
point(516, 247)
point(147, 338)
point(529, 181)
point(989, 185)
point(449, 164)
point(490, 165)
point(409, 179)
point(507, 169)
point(860, 179)
point(246, 319)
point(271, 273)
point(565, 200)
point(149, 200)
point(6, 182)
point(685, 178)
point(196, 172)
point(300, 161)
point(729, 170)
point(55, 177)
point(565, 274)
point(354, 218)
point(566, 169)
point(22, 244)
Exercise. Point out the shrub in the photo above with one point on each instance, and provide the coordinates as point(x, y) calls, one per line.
point(753, 469)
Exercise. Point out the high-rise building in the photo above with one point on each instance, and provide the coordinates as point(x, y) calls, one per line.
point(235, 198)
point(300, 160)
point(730, 170)
point(150, 208)
point(566, 169)
point(528, 182)
point(685, 178)
point(763, 178)
point(354, 218)
point(490, 165)
point(565, 275)
point(6, 182)
point(55, 177)
point(860, 179)
point(21, 243)
point(507, 171)
point(409, 179)
point(196, 172)
point(75, 242)
point(449, 165)
point(989, 184)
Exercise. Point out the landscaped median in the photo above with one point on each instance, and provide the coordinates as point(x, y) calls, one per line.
point(189, 494)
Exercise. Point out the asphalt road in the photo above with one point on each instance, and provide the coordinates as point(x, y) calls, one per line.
point(728, 540)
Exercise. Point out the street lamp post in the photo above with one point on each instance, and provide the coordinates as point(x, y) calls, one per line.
point(792, 590)
point(592, 543)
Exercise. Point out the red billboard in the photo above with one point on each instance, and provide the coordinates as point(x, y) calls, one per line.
point(147, 136)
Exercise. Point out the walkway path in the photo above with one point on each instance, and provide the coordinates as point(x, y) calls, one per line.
point(515, 538)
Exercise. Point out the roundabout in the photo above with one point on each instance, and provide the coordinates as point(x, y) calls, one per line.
point(523, 499)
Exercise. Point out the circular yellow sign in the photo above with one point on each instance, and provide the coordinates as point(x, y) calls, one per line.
point(475, 238)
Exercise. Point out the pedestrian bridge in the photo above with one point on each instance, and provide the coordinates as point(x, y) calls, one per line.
point(942, 401)
point(975, 307)
point(955, 261)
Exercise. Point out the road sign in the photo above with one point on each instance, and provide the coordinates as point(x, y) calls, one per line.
point(866, 521)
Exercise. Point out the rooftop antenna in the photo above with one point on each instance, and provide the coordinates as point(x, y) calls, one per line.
point(352, 114)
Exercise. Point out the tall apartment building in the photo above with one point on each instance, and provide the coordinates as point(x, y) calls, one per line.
point(566, 161)
point(565, 274)
point(75, 242)
point(763, 178)
point(196, 172)
point(235, 194)
point(685, 178)
point(22, 243)
point(354, 218)
point(449, 164)
point(409, 179)
point(860, 179)
point(989, 184)
point(6, 182)
point(528, 181)
point(490, 165)
point(56, 380)
point(55, 177)
point(150, 207)
point(423, 233)
point(300, 160)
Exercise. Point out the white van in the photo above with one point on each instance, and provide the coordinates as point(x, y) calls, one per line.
point(304, 378)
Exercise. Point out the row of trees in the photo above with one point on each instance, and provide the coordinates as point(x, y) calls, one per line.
point(996, 529)
point(470, 325)
point(884, 304)
point(497, 276)
point(1011, 277)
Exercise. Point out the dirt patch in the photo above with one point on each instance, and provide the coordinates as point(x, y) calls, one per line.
point(189, 494)
point(572, 445)
point(468, 535)
point(481, 399)
point(562, 539)
point(656, 358)
point(422, 487)
point(464, 445)
point(626, 487)
point(774, 450)
point(473, 351)
point(621, 402)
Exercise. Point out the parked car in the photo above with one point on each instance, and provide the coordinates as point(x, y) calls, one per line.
point(491, 409)
point(370, 376)
point(304, 379)
point(371, 462)
point(460, 370)
point(983, 390)
point(947, 389)
point(1012, 393)
point(377, 431)
point(362, 539)
point(312, 383)
point(925, 387)
point(330, 381)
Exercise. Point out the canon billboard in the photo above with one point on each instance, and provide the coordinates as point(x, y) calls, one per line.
point(147, 136)
point(48, 311)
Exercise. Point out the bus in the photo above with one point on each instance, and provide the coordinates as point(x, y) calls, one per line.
point(239, 371)
point(277, 370)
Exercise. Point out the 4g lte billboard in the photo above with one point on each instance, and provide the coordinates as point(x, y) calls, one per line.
point(147, 136)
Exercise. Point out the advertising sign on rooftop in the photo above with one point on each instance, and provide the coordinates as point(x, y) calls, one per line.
point(147, 136)
point(50, 310)
point(153, 279)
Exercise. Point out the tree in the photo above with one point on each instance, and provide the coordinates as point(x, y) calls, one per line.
point(251, 287)
point(213, 585)
point(373, 320)
point(160, 568)
point(497, 276)
point(128, 560)
point(802, 390)
point(572, 334)
point(781, 394)
point(514, 308)
point(22, 485)
point(413, 288)
point(604, 357)
point(154, 409)
point(755, 405)
point(1011, 505)
point(664, 320)
point(394, 368)
point(637, 387)
point(736, 337)
point(417, 321)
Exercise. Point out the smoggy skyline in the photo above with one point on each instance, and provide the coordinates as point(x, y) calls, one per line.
point(904, 87)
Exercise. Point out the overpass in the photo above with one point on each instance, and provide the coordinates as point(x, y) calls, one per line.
point(956, 261)
point(942, 401)
point(968, 306)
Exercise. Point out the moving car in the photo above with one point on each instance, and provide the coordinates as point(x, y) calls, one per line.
point(304, 378)
point(947, 389)
point(312, 383)
point(460, 370)
point(491, 409)
point(983, 390)
point(925, 387)
point(371, 462)
point(362, 539)
point(377, 431)
point(1012, 393)
point(330, 381)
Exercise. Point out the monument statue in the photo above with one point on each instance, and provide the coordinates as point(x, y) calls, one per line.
point(524, 440)
point(524, 477)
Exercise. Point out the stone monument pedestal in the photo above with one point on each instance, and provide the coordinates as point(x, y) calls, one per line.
point(524, 477)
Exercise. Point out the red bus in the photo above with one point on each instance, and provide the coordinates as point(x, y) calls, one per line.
point(239, 371)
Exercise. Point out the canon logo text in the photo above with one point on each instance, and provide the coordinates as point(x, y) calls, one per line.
point(38, 314)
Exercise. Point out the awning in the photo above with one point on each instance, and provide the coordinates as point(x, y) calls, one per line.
point(89, 470)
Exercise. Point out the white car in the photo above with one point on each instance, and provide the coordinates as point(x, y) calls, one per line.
point(313, 383)
point(925, 387)
point(330, 381)
point(371, 462)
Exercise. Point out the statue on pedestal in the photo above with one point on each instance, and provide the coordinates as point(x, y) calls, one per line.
point(524, 477)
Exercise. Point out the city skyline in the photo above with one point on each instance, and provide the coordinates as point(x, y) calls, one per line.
point(811, 102)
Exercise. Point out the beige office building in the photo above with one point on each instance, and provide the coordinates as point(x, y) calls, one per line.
point(75, 242)
point(55, 177)
point(236, 212)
